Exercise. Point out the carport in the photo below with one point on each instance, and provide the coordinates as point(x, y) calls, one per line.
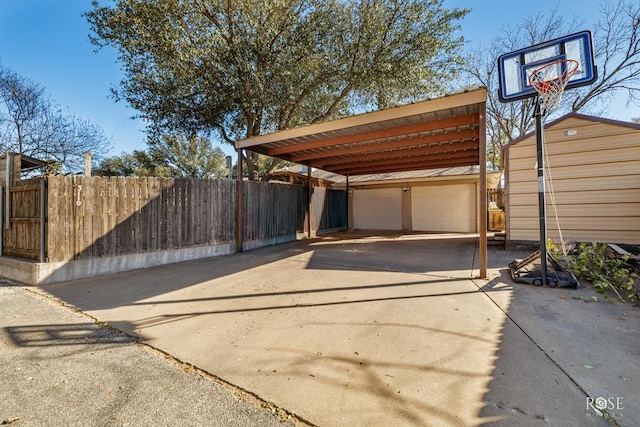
point(438, 133)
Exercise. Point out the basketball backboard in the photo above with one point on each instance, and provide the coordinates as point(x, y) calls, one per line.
point(515, 68)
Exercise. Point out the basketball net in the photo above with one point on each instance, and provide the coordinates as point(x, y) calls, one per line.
point(550, 81)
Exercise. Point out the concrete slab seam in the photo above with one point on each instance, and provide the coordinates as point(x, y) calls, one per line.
point(534, 342)
point(186, 367)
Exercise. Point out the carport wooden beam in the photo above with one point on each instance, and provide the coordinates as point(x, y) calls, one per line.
point(407, 165)
point(414, 129)
point(416, 151)
point(436, 142)
point(239, 204)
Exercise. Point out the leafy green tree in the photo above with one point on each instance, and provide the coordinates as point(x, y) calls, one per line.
point(137, 163)
point(243, 68)
point(188, 157)
point(169, 156)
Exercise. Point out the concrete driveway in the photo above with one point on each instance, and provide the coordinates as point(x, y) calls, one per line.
point(368, 330)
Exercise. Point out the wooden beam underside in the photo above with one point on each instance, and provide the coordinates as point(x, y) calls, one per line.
point(373, 135)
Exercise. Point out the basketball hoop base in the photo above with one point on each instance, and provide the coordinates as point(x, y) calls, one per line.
point(528, 271)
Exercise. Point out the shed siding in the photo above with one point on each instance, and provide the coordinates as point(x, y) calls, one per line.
point(593, 169)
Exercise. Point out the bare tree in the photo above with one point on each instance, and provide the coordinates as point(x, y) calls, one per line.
point(505, 122)
point(32, 124)
point(617, 55)
point(23, 102)
point(617, 52)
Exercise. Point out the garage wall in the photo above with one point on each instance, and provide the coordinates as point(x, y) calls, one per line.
point(377, 209)
point(445, 208)
point(595, 169)
point(441, 206)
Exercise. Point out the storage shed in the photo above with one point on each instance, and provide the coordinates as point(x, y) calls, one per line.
point(592, 172)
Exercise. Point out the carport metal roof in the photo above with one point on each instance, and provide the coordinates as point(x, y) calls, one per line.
point(443, 132)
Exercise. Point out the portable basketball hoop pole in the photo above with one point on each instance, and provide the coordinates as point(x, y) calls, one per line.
point(542, 202)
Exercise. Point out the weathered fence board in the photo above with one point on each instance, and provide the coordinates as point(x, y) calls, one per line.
point(118, 216)
point(93, 217)
point(496, 196)
point(23, 237)
point(273, 210)
point(328, 209)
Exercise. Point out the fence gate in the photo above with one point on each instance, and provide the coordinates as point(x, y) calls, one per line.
point(23, 217)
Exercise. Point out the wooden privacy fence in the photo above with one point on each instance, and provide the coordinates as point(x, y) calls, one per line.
point(93, 217)
point(272, 210)
point(496, 195)
point(328, 209)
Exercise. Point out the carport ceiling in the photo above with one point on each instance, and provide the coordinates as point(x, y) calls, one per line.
point(443, 132)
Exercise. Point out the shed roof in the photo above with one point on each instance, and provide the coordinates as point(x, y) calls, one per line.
point(613, 122)
point(391, 177)
point(27, 163)
point(442, 132)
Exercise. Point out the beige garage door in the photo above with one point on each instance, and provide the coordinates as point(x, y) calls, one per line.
point(377, 209)
point(446, 208)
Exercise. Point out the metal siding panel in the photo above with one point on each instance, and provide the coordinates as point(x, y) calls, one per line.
point(603, 210)
point(594, 159)
point(596, 181)
point(582, 197)
point(614, 183)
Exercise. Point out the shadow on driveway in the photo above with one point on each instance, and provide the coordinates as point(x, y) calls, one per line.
point(356, 330)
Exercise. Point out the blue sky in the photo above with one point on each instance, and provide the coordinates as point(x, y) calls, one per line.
point(47, 42)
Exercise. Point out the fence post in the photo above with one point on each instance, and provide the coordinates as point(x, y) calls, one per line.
point(9, 181)
point(43, 220)
point(1, 219)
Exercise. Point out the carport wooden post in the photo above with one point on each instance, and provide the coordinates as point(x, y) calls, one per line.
point(346, 202)
point(308, 207)
point(43, 220)
point(7, 188)
point(482, 208)
point(239, 204)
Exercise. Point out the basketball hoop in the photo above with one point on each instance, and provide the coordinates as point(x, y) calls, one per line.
point(551, 79)
point(544, 71)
